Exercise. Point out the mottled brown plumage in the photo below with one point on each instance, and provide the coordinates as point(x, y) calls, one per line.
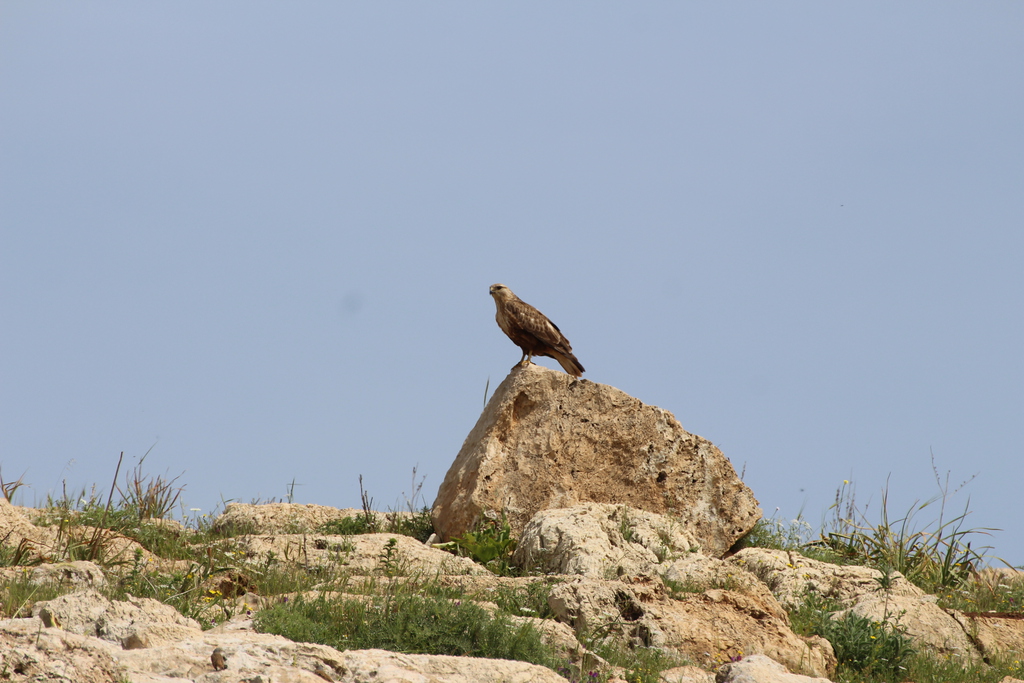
point(531, 331)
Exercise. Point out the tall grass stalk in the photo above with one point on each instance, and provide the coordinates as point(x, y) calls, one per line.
point(938, 555)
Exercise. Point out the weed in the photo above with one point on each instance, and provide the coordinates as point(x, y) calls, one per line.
point(626, 525)
point(364, 497)
point(147, 496)
point(1000, 596)
point(863, 645)
point(490, 543)
point(388, 559)
point(415, 523)
point(24, 554)
point(809, 617)
point(9, 488)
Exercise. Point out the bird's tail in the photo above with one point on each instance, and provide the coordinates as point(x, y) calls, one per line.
point(569, 363)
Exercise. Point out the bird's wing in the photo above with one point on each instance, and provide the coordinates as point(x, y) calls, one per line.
point(530, 320)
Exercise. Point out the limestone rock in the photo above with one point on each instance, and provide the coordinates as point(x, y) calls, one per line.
point(17, 529)
point(80, 573)
point(790, 576)
point(30, 652)
point(686, 674)
point(709, 628)
point(601, 540)
point(135, 623)
point(760, 669)
point(995, 635)
point(277, 518)
point(548, 441)
point(929, 626)
point(360, 554)
point(370, 665)
point(697, 573)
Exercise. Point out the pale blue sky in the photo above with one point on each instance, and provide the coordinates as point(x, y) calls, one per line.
point(260, 236)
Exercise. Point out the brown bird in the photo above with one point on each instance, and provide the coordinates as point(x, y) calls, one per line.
point(218, 660)
point(531, 331)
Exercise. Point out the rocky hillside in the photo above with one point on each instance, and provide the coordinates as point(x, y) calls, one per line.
point(579, 535)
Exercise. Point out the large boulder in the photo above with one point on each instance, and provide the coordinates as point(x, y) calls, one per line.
point(547, 441)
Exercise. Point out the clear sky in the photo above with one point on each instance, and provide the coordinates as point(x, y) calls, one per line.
point(259, 236)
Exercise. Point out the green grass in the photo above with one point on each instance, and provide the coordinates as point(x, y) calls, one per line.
point(525, 601)
point(415, 524)
point(406, 623)
point(18, 595)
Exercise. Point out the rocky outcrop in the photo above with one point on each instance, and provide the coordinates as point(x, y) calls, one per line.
point(995, 635)
point(612, 572)
point(80, 573)
point(360, 554)
point(548, 441)
point(131, 624)
point(31, 651)
point(601, 540)
point(708, 627)
point(929, 625)
point(791, 577)
point(277, 518)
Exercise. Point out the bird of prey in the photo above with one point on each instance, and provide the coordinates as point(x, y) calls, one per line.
point(531, 331)
point(218, 660)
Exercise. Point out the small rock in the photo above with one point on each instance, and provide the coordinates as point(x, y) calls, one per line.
point(760, 669)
